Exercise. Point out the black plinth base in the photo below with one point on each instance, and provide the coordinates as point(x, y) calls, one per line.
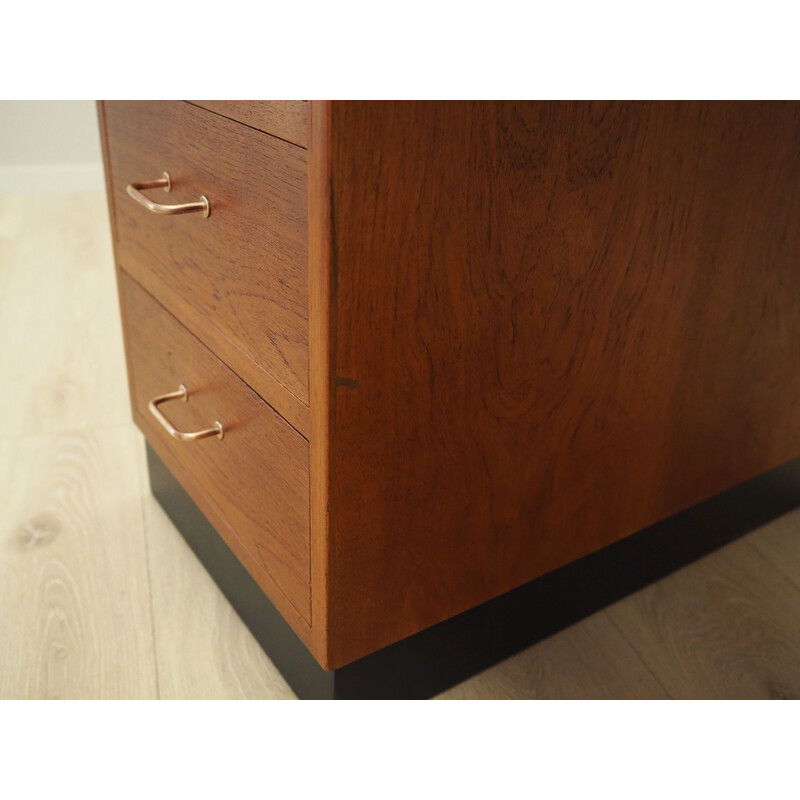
point(452, 651)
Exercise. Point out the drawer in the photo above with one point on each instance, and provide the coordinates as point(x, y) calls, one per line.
point(237, 279)
point(255, 479)
point(286, 119)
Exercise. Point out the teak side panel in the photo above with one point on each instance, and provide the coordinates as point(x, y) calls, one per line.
point(286, 119)
point(553, 325)
point(239, 279)
point(256, 476)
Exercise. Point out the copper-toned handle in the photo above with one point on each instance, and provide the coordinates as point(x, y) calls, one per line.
point(135, 191)
point(173, 431)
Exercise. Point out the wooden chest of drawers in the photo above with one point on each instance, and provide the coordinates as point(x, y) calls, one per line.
point(452, 346)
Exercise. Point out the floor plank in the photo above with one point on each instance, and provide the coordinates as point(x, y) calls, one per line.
point(727, 626)
point(61, 349)
point(588, 661)
point(779, 543)
point(74, 593)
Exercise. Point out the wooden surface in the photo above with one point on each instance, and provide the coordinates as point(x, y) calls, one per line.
point(255, 478)
point(320, 405)
point(239, 279)
point(66, 586)
point(710, 630)
point(780, 546)
point(286, 119)
point(554, 324)
point(592, 654)
point(100, 597)
point(76, 383)
point(74, 594)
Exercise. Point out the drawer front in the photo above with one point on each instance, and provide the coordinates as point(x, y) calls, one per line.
point(238, 278)
point(255, 479)
point(286, 119)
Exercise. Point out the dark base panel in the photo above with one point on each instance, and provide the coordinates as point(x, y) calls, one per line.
point(452, 651)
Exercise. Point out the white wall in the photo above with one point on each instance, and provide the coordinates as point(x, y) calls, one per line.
point(49, 146)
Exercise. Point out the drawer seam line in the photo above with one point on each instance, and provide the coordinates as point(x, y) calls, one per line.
point(238, 122)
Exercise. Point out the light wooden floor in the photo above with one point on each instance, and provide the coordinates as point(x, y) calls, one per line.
point(101, 598)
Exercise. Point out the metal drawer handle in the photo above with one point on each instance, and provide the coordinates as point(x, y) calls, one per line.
point(174, 432)
point(134, 190)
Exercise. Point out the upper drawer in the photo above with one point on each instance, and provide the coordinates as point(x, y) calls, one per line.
point(286, 119)
point(239, 278)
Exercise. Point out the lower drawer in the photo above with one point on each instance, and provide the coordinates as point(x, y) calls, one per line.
point(255, 479)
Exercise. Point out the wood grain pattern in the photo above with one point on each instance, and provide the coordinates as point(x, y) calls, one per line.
point(554, 324)
point(711, 631)
point(320, 386)
point(239, 279)
point(91, 485)
point(779, 543)
point(75, 621)
point(286, 119)
point(588, 661)
point(75, 380)
point(255, 479)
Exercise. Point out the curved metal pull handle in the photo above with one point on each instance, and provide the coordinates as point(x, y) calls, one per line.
point(135, 191)
point(170, 429)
